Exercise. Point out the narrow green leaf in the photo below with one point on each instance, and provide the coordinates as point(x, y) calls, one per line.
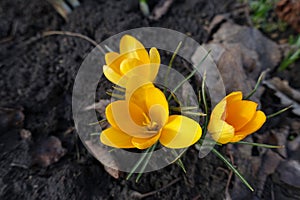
point(171, 63)
point(146, 162)
point(138, 164)
point(260, 145)
point(259, 80)
point(230, 166)
point(279, 112)
point(190, 75)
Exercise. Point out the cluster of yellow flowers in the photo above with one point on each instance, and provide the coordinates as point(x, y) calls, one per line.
point(142, 118)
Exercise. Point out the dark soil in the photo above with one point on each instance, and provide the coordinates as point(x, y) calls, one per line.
point(37, 75)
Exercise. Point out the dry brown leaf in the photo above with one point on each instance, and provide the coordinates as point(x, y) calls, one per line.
point(283, 86)
point(285, 93)
point(10, 118)
point(289, 11)
point(99, 151)
point(160, 9)
point(99, 106)
point(48, 151)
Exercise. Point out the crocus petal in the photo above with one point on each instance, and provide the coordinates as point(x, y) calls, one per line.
point(180, 132)
point(234, 96)
point(113, 60)
point(146, 96)
point(133, 67)
point(256, 122)
point(154, 64)
point(158, 114)
point(133, 49)
point(221, 131)
point(129, 64)
point(239, 113)
point(116, 138)
point(154, 56)
point(135, 83)
point(127, 117)
point(219, 111)
point(142, 143)
point(155, 96)
point(111, 75)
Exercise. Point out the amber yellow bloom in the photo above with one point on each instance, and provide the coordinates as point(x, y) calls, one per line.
point(132, 55)
point(233, 119)
point(143, 118)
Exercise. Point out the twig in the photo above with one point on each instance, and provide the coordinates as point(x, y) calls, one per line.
point(140, 196)
point(49, 33)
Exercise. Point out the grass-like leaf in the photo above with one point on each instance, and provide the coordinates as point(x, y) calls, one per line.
point(230, 166)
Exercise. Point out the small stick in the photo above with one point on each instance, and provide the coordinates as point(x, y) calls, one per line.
point(140, 196)
point(49, 33)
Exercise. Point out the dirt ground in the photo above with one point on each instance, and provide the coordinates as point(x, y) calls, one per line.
point(37, 76)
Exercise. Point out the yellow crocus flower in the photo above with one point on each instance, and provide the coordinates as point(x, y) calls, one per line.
point(132, 54)
point(143, 118)
point(233, 119)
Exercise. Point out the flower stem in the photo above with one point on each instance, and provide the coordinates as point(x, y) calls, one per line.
point(230, 166)
point(260, 145)
point(259, 80)
point(279, 112)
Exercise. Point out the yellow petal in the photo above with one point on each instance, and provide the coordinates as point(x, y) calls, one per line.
point(256, 123)
point(217, 127)
point(237, 138)
point(239, 113)
point(129, 64)
point(154, 64)
point(154, 56)
point(112, 76)
point(135, 83)
point(234, 96)
point(113, 60)
point(116, 138)
point(127, 117)
point(158, 114)
point(180, 132)
point(219, 111)
point(144, 94)
point(133, 49)
point(149, 96)
point(220, 131)
point(144, 143)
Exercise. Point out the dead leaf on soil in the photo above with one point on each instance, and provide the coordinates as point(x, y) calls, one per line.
point(101, 152)
point(25, 134)
point(10, 118)
point(290, 173)
point(48, 151)
point(289, 11)
point(270, 161)
point(283, 86)
point(287, 95)
point(252, 45)
point(161, 9)
point(99, 106)
point(63, 8)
